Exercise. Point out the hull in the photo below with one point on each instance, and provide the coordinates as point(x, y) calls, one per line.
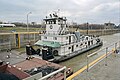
point(75, 53)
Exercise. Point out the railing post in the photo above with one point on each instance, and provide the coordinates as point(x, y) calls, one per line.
point(34, 37)
point(106, 56)
point(87, 63)
point(18, 40)
point(65, 73)
point(49, 75)
point(119, 44)
point(10, 43)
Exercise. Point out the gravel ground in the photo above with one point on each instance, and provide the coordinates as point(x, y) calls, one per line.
point(103, 72)
point(13, 58)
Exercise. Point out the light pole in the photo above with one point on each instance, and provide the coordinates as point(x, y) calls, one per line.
point(27, 21)
point(28, 24)
point(87, 27)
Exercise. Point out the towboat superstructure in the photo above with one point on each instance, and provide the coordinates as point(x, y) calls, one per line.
point(59, 44)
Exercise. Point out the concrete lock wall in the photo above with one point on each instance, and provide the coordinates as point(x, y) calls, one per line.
point(98, 32)
point(20, 39)
point(17, 40)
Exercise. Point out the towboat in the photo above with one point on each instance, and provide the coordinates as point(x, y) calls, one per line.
point(59, 44)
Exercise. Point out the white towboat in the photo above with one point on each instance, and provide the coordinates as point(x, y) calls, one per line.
point(58, 44)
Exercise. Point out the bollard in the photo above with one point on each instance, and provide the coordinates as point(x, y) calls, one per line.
point(106, 56)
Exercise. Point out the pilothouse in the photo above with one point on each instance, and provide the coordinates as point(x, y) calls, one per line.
point(59, 44)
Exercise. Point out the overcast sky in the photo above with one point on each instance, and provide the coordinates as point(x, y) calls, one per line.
point(80, 11)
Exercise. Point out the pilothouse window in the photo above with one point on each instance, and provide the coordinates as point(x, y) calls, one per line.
point(55, 22)
point(49, 22)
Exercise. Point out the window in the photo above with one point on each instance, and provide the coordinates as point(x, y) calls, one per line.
point(45, 37)
point(66, 38)
point(54, 22)
point(76, 45)
point(49, 22)
point(55, 38)
point(92, 42)
point(69, 48)
point(86, 38)
point(81, 44)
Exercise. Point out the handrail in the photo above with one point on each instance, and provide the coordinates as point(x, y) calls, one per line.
point(34, 77)
point(55, 72)
point(90, 65)
point(19, 33)
point(85, 67)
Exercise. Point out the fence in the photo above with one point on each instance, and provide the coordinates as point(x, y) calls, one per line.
point(97, 64)
point(17, 39)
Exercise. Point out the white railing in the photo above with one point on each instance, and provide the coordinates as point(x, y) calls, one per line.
point(38, 76)
point(111, 49)
point(55, 72)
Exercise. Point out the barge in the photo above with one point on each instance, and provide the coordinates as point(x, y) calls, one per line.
point(32, 69)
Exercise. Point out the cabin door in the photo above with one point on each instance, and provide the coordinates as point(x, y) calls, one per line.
point(69, 39)
point(88, 43)
point(72, 48)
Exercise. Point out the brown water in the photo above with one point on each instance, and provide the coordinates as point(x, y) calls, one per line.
point(79, 61)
